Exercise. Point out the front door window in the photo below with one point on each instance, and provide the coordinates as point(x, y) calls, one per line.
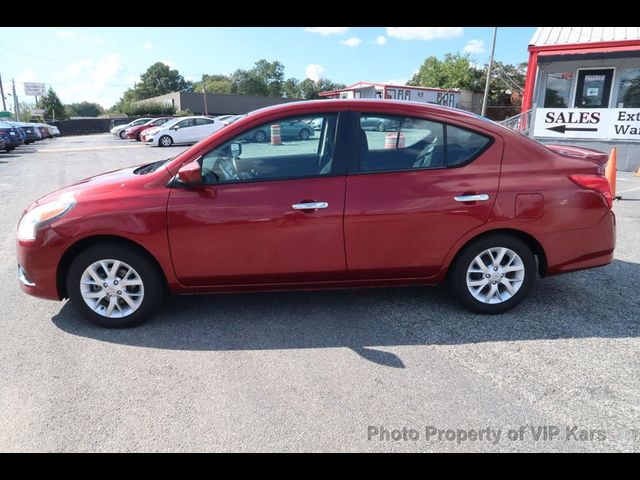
point(594, 88)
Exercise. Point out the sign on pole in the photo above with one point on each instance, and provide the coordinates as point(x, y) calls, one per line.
point(5, 114)
point(34, 89)
point(596, 123)
point(37, 111)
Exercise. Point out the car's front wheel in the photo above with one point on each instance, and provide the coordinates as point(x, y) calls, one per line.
point(165, 141)
point(260, 136)
point(493, 274)
point(122, 134)
point(114, 286)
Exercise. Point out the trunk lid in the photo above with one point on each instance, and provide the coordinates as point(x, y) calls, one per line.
point(595, 156)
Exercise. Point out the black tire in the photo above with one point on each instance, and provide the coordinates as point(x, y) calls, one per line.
point(165, 141)
point(304, 134)
point(260, 136)
point(457, 278)
point(152, 278)
point(122, 135)
point(381, 127)
point(139, 137)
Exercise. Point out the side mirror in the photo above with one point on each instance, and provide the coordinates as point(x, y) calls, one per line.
point(176, 127)
point(190, 174)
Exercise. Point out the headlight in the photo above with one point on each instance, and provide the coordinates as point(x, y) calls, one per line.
point(41, 215)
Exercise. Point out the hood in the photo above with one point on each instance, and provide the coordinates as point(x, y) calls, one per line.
point(106, 182)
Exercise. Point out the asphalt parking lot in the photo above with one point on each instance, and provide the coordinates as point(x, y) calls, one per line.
point(354, 370)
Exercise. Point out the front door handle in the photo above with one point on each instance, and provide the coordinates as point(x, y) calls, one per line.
point(472, 198)
point(309, 205)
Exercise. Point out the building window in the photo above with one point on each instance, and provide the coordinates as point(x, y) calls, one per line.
point(629, 88)
point(558, 90)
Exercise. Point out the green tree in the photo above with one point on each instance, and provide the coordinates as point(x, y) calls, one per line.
point(52, 106)
point(247, 82)
point(308, 89)
point(291, 88)
point(84, 109)
point(264, 79)
point(454, 71)
point(26, 112)
point(631, 97)
point(214, 84)
point(272, 74)
point(160, 79)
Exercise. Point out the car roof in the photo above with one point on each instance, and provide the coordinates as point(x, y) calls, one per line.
point(380, 106)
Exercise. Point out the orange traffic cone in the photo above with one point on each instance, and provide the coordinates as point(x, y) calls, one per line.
point(637, 174)
point(610, 171)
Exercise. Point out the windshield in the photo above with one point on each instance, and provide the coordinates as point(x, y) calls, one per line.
point(172, 122)
point(139, 122)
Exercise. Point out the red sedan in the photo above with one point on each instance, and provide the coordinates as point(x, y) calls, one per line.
point(445, 196)
point(136, 131)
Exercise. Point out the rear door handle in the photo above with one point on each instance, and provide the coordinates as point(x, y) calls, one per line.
point(472, 198)
point(309, 205)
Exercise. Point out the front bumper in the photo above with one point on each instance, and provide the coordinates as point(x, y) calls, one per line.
point(38, 262)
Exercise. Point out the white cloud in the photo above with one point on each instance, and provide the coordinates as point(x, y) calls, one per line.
point(147, 45)
point(83, 37)
point(381, 40)
point(351, 42)
point(327, 30)
point(94, 81)
point(474, 46)
point(423, 33)
point(314, 72)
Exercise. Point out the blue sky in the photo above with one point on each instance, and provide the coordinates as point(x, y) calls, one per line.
point(98, 64)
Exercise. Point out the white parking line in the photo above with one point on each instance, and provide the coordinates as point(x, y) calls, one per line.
point(86, 149)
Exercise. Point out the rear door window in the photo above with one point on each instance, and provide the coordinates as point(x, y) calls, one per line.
point(394, 143)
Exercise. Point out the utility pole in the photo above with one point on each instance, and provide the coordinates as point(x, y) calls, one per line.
point(486, 87)
point(204, 95)
point(16, 105)
point(4, 105)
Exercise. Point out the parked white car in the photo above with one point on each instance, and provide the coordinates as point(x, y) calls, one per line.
point(182, 130)
point(118, 130)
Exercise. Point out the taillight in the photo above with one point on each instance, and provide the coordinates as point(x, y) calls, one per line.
point(594, 182)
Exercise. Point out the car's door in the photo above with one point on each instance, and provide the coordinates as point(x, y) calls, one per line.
point(182, 132)
point(408, 202)
point(264, 213)
point(204, 127)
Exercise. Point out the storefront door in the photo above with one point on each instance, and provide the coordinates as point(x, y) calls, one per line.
point(594, 88)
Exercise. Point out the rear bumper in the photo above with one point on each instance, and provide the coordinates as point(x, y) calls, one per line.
point(13, 143)
point(580, 249)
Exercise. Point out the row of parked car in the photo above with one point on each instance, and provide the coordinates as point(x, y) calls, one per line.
point(167, 131)
point(14, 134)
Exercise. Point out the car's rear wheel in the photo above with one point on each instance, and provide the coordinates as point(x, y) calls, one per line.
point(114, 286)
point(139, 137)
point(122, 134)
point(165, 141)
point(381, 127)
point(493, 274)
point(304, 134)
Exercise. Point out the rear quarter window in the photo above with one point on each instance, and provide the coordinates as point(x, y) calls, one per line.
point(463, 145)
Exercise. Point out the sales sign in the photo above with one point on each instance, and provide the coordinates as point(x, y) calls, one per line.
point(596, 123)
point(34, 89)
